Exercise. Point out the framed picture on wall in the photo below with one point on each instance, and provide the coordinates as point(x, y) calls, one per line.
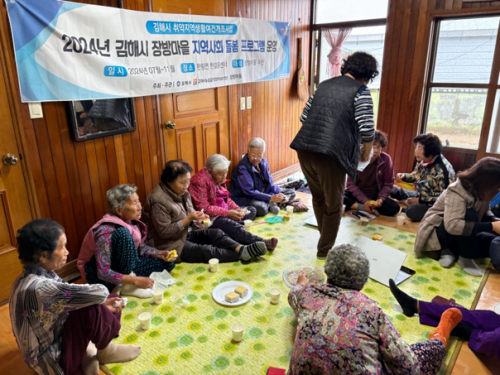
point(90, 119)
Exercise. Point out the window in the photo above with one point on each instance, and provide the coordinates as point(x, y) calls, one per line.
point(356, 26)
point(461, 68)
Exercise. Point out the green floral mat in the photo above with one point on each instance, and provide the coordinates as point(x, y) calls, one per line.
point(190, 333)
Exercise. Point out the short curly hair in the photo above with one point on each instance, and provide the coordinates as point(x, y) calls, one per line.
point(173, 169)
point(432, 144)
point(347, 267)
point(36, 237)
point(381, 138)
point(361, 65)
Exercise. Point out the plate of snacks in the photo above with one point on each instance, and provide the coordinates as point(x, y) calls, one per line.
point(232, 293)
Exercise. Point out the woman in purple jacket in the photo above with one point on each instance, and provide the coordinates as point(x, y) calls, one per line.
point(373, 186)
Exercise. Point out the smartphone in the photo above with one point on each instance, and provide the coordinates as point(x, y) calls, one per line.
point(403, 210)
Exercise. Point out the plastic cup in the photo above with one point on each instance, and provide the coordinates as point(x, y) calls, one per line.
point(145, 320)
point(275, 295)
point(237, 329)
point(289, 210)
point(158, 296)
point(401, 220)
point(248, 224)
point(214, 264)
point(308, 271)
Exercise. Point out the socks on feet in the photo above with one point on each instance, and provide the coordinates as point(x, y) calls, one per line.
point(254, 250)
point(462, 331)
point(470, 266)
point(408, 304)
point(90, 364)
point(449, 320)
point(114, 353)
point(271, 243)
point(274, 208)
point(447, 258)
point(132, 290)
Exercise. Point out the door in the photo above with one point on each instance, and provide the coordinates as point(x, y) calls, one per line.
point(196, 123)
point(14, 203)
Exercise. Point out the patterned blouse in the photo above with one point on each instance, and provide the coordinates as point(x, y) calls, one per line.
point(102, 237)
point(342, 331)
point(39, 306)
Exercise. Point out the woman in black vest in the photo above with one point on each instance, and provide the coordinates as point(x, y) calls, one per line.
point(336, 120)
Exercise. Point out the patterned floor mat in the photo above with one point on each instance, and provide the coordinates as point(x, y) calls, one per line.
point(190, 333)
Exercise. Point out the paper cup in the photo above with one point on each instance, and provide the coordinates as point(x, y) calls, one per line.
point(308, 271)
point(401, 220)
point(214, 264)
point(248, 224)
point(237, 329)
point(124, 301)
point(318, 273)
point(275, 295)
point(158, 296)
point(289, 210)
point(145, 320)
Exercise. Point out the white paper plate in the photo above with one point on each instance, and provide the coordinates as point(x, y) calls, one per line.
point(496, 308)
point(220, 291)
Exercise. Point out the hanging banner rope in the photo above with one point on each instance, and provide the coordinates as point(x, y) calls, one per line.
point(70, 51)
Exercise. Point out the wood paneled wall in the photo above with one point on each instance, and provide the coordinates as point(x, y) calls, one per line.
point(403, 75)
point(275, 105)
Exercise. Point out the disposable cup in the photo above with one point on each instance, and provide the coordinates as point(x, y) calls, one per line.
point(308, 271)
point(343, 209)
point(496, 308)
point(158, 296)
point(275, 295)
point(145, 320)
point(248, 224)
point(289, 210)
point(237, 329)
point(318, 273)
point(214, 264)
point(401, 220)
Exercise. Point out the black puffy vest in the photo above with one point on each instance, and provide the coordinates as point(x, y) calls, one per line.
point(330, 127)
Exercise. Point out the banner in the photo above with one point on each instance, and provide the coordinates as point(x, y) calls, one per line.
point(70, 51)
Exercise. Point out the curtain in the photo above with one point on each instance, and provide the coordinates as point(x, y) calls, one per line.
point(335, 38)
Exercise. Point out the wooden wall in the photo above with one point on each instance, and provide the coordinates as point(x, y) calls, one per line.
point(275, 105)
point(70, 179)
point(405, 57)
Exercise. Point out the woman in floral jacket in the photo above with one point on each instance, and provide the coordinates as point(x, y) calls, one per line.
point(209, 193)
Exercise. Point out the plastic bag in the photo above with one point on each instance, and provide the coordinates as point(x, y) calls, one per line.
point(274, 219)
point(162, 279)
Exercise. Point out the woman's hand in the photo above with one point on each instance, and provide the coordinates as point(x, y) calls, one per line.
point(235, 215)
point(496, 226)
point(302, 279)
point(196, 216)
point(380, 202)
point(366, 149)
point(399, 177)
point(111, 303)
point(368, 207)
point(143, 282)
point(411, 201)
point(277, 198)
point(164, 254)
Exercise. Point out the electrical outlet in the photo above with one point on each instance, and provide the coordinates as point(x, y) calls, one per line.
point(242, 104)
point(249, 102)
point(35, 110)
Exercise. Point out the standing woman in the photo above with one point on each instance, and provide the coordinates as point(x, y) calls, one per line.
point(335, 121)
point(461, 224)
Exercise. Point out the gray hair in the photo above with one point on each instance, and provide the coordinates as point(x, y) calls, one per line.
point(119, 195)
point(217, 162)
point(347, 267)
point(257, 143)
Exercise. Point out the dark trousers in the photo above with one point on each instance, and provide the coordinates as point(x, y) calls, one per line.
point(388, 208)
point(263, 207)
point(93, 323)
point(326, 180)
point(205, 244)
point(415, 212)
point(485, 337)
point(251, 215)
point(125, 259)
point(235, 230)
point(475, 246)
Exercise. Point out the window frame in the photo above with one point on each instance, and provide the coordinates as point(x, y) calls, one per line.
point(492, 86)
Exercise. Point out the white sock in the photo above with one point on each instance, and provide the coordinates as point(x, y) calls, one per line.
point(447, 258)
point(132, 290)
point(90, 364)
point(114, 353)
point(470, 266)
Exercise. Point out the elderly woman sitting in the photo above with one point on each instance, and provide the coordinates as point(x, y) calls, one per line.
point(209, 194)
point(252, 183)
point(169, 214)
point(340, 330)
point(115, 247)
point(46, 312)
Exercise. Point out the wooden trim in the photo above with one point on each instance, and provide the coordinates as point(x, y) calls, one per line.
point(349, 24)
point(68, 269)
point(7, 250)
point(461, 150)
point(491, 154)
point(447, 13)
point(288, 171)
point(459, 85)
point(8, 216)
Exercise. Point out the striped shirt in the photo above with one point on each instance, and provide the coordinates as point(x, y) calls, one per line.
point(363, 113)
point(39, 305)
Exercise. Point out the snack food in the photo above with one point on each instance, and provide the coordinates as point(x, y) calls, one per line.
point(172, 254)
point(377, 237)
point(241, 290)
point(232, 297)
point(286, 217)
point(373, 202)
